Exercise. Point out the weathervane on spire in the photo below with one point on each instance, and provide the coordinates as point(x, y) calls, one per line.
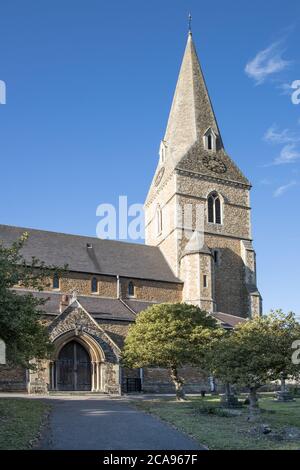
point(190, 23)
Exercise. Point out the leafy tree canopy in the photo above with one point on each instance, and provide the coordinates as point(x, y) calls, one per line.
point(256, 352)
point(25, 336)
point(286, 330)
point(170, 336)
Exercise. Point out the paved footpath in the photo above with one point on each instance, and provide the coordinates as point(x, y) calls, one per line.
point(108, 424)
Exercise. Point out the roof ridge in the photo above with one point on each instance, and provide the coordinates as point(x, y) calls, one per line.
point(124, 242)
point(106, 258)
point(230, 315)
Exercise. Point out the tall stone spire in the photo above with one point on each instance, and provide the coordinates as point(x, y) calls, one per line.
point(191, 112)
point(197, 210)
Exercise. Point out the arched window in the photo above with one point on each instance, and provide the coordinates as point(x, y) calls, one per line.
point(210, 139)
point(214, 209)
point(130, 289)
point(94, 285)
point(55, 281)
point(211, 209)
point(218, 210)
point(158, 220)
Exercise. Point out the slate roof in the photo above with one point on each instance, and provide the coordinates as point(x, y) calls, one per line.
point(99, 307)
point(105, 257)
point(115, 309)
point(138, 305)
point(227, 320)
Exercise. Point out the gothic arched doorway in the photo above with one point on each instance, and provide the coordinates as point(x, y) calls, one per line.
point(73, 368)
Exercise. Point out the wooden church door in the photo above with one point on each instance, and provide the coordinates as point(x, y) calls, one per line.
point(73, 368)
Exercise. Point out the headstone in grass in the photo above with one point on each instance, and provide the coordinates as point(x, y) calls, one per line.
point(230, 398)
point(284, 396)
point(230, 401)
point(2, 352)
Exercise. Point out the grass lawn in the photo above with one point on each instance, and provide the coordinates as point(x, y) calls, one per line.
point(228, 432)
point(20, 421)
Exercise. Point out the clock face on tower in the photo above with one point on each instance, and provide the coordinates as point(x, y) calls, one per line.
point(214, 164)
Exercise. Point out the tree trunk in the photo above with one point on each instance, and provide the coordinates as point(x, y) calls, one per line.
point(254, 410)
point(178, 382)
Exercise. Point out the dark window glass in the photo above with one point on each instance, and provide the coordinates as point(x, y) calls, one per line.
point(94, 285)
point(55, 282)
point(204, 280)
point(216, 256)
point(131, 289)
point(211, 209)
point(218, 210)
point(209, 142)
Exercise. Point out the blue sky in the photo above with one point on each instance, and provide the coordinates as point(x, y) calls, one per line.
point(89, 87)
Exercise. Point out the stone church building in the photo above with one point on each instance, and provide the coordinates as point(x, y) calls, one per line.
point(209, 261)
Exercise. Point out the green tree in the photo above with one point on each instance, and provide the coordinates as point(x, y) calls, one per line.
point(25, 336)
point(256, 352)
point(286, 330)
point(170, 336)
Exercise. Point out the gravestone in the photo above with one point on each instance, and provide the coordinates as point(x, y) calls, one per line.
point(284, 396)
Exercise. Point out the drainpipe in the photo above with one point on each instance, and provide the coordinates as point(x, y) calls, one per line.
point(118, 287)
point(142, 376)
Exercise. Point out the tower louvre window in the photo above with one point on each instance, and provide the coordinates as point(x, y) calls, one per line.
point(211, 209)
point(214, 209)
point(218, 210)
point(210, 139)
point(209, 142)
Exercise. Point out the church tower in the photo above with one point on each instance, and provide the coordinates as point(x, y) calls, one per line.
point(198, 206)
